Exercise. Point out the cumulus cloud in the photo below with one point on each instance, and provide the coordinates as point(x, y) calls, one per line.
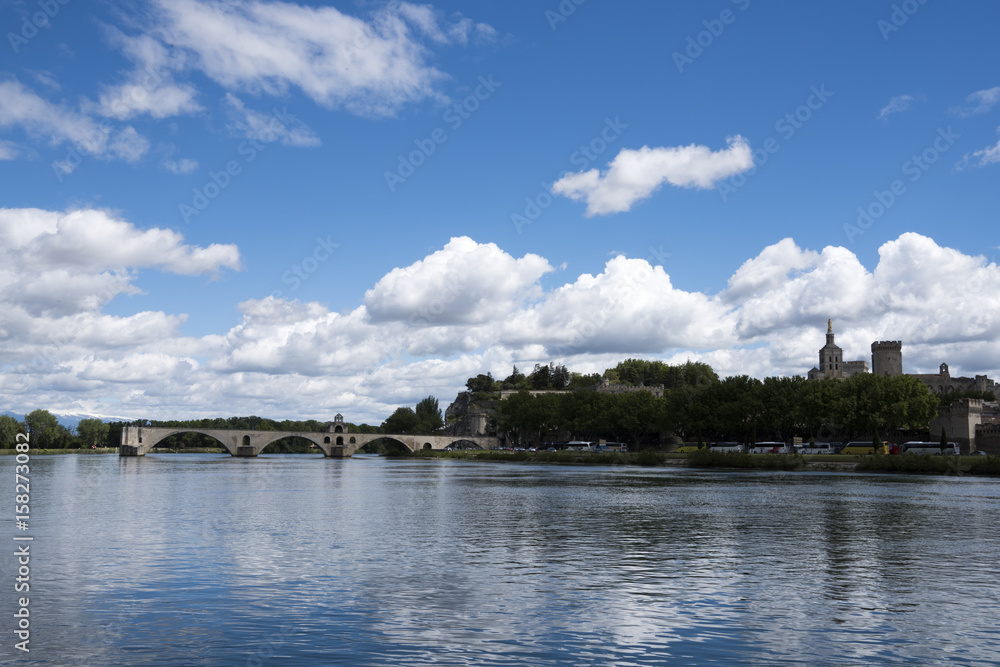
point(465, 309)
point(631, 307)
point(368, 67)
point(635, 175)
point(77, 261)
point(978, 102)
point(463, 283)
point(896, 105)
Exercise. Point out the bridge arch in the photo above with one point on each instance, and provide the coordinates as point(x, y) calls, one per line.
point(154, 437)
point(464, 443)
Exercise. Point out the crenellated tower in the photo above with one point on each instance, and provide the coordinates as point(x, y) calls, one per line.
point(887, 357)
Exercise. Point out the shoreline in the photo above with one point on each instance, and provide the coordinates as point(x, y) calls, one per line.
point(988, 466)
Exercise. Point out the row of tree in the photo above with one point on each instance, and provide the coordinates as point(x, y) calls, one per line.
point(47, 433)
point(739, 408)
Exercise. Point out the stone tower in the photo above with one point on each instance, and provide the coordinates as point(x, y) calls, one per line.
point(887, 357)
point(831, 357)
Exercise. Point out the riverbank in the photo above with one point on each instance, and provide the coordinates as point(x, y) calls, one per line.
point(932, 465)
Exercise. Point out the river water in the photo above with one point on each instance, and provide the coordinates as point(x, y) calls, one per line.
point(299, 560)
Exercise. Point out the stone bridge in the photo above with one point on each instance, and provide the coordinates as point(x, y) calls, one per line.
point(139, 440)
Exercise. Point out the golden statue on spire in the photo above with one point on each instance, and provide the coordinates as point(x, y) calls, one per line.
point(829, 326)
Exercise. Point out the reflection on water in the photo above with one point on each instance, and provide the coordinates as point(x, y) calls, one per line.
point(299, 560)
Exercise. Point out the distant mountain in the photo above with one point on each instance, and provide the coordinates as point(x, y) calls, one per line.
point(70, 421)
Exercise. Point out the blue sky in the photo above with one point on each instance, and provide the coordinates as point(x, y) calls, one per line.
point(298, 209)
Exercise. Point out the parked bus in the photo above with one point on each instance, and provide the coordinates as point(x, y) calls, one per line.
point(820, 448)
point(770, 448)
point(726, 447)
point(929, 448)
point(863, 448)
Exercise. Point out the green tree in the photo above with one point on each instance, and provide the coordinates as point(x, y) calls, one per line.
point(403, 420)
point(428, 414)
point(9, 428)
point(541, 377)
point(560, 376)
point(879, 405)
point(46, 431)
point(580, 381)
point(93, 432)
point(515, 381)
point(481, 384)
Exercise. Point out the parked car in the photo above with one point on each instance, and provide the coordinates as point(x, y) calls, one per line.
point(688, 447)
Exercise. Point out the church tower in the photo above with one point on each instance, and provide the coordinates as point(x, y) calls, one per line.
point(831, 357)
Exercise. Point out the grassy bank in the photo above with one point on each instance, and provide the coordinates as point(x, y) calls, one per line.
point(933, 465)
point(646, 457)
point(706, 458)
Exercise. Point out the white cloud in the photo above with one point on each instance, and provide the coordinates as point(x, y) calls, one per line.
point(978, 102)
point(896, 105)
point(182, 166)
point(981, 158)
point(631, 307)
point(464, 282)
point(464, 309)
point(150, 88)
point(368, 67)
point(276, 126)
point(77, 261)
point(8, 150)
point(20, 107)
point(55, 124)
point(635, 175)
point(129, 145)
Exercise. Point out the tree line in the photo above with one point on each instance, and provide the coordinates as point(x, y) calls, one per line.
point(738, 408)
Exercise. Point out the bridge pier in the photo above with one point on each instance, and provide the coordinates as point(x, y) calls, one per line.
point(128, 450)
point(247, 452)
point(338, 452)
